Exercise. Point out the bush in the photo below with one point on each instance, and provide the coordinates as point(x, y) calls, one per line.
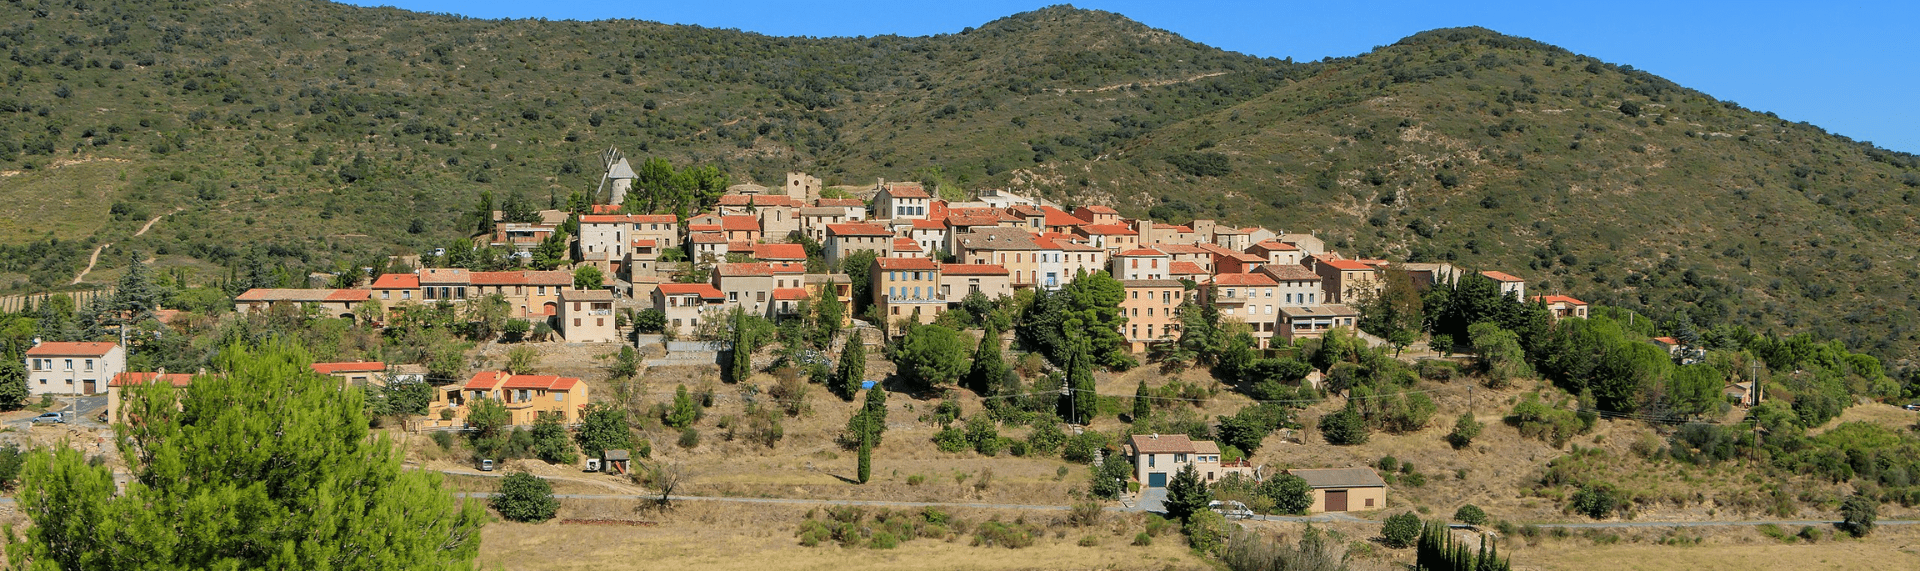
point(1401, 530)
point(1080, 447)
point(1465, 429)
point(1206, 531)
point(444, 439)
point(1596, 501)
point(525, 497)
point(1142, 539)
point(1344, 428)
point(1471, 515)
point(1003, 534)
point(689, 438)
point(883, 540)
point(1858, 514)
point(1290, 494)
point(951, 439)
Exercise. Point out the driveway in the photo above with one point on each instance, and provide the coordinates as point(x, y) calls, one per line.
point(1152, 500)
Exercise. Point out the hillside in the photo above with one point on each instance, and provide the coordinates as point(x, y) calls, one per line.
point(323, 135)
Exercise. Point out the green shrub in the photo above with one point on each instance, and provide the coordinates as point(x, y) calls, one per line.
point(1143, 539)
point(1471, 515)
point(1858, 513)
point(1157, 525)
point(689, 438)
point(1388, 464)
point(525, 497)
point(1465, 429)
point(444, 439)
point(1089, 541)
point(1003, 534)
point(883, 540)
point(1596, 501)
point(1206, 531)
point(1345, 427)
point(1401, 530)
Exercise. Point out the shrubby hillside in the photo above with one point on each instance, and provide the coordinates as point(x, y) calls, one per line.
point(319, 136)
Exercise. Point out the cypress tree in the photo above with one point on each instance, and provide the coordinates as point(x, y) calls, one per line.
point(1142, 406)
point(852, 367)
point(987, 363)
point(866, 461)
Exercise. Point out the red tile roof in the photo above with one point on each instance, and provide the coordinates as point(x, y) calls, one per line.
point(1025, 211)
point(1288, 272)
point(522, 278)
point(761, 269)
point(1109, 230)
point(780, 252)
point(649, 243)
point(530, 382)
point(692, 289)
point(758, 200)
point(131, 379)
point(605, 208)
point(961, 220)
point(350, 295)
point(1244, 280)
point(1058, 217)
point(1558, 299)
point(905, 264)
point(789, 294)
point(935, 224)
point(1181, 249)
point(739, 223)
point(349, 367)
point(857, 229)
point(973, 270)
point(1347, 265)
point(397, 281)
point(907, 190)
point(1163, 444)
point(71, 349)
point(1185, 269)
point(485, 380)
point(906, 245)
point(1276, 245)
point(840, 202)
point(628, 219)
point(1501, 276)
point(1143, 252)
point(937, 210)
point(1667, 340)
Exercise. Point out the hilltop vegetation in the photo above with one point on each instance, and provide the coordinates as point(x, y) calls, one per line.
point(316, 136)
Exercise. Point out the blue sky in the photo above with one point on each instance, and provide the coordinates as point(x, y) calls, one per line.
point(1850, 67)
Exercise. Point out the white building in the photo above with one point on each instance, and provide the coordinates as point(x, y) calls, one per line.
point(73, 368)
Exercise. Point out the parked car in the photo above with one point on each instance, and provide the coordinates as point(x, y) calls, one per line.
point(1230, 509)
point(1914, 406)
point(51, 417)
point(486, 465)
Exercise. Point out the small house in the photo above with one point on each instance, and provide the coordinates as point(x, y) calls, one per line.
point(1344, 489)
point(1156, 457)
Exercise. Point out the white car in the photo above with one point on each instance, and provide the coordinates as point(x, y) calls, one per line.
point(51, 417)
point(1230, 509)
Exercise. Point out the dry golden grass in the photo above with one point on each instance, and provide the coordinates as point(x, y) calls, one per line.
point(1873, 413)
point(1728, 549)
point(711, 535)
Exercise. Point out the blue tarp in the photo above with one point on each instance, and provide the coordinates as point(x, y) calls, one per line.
point(867, 384)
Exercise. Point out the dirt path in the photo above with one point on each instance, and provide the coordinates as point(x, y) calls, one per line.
point(95, 258)
point(1143, 83)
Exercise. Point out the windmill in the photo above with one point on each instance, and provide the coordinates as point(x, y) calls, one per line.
point(618, 176)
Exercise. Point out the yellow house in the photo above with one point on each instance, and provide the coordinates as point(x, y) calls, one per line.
point(525, 396)
point(1344, 489)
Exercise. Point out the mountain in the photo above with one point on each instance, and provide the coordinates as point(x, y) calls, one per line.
point(325, 135)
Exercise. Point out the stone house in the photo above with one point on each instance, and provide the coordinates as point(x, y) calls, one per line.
point(1313, 321)
point(957, 281)
point(1510, 285)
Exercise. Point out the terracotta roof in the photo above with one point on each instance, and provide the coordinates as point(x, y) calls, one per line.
point(1346, 265)
point(789, 293)
point(1097, 209)
point(648, 243)
point(586, 295)
point(1143, 252)
point(701, 289)
point(605, 208)
point(71, 349)
point(1025, 211)
point(998, 239)
point(761, 269)
point(548, 382)
point(484, 380)
point(698, 228)
point(349, 367)
point(443, 276)
point(758, 200)
point(780, 252)
point(1151, 283)
point(523, 278)
point(563, 384)
point(397, 281)
point(905, 264)
point(1181, 249)
point(1558, 299)
point(973, 270)
point(1501, 276)
point(741, 246)
point(1162, 444)
point(840, 202)
point(1058, 217)
point(131, 379)
point(1108, 230)
point(961, 220)
point(734, 223)
point(707, 238)
point(1276, 245)
point(919, 224)
point(906, 190)
point(906, 245)
point(304, 295)
point(1288, 272)
point(1340, 478)
point(350, 295)
point(1186, 269)
point(1244, 280)
point(628, 219)
point(857, 229)
point(1173, 227)
point(1329, 310)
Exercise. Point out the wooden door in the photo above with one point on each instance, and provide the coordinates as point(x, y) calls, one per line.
point(1336, 500)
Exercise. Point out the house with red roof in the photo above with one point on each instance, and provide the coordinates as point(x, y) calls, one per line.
point(393, 290)
point(845, 239)
point(116, 388)
point(957, 281)
point(1510, 285)
point(931, 237)
point(780, 253)
point(908, 288)
point(73, 368)
point(1277, 252)
point(901, 200)
point(751, 285)
point(1344, 281)
point(907, 248)
point(1097, 215)
point(740, 228)
point(686, 304)
point(1112, 237)
point(1561, 307)
point(354, 373)
point(1249, 297)
point(526, 397)
point(1058, 220)
point(1142, 264)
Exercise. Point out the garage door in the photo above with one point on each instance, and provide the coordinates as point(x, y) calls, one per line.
point(1336, 500)
point(1157, 480)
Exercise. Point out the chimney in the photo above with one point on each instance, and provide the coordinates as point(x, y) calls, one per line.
point(1156, 436)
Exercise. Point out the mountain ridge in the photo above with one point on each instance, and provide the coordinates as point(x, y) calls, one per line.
point(1454, 144)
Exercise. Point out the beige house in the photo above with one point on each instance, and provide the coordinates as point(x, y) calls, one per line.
point(752, 285)
point(1313, 321)
point(611, 234)
point(1112, 237)
point(329, 302)
point(957, 281)
point(1297, 286)
point(1343, 281)
point(525, 396)
point(1097, 215)
point(1562, 307)
point(901, 200)
point(1250, 298)
point(1150, 307)
point(361, 374)
point(908, 287)
point(1277, 252)
point(395, 290)
point(1157, 457)
point(842, 292)
point(117, 389)
point(845, 239)
point(531, 294)
point(587, 316)
point(1010, 248)
point(70, 368)
point(1344, 489)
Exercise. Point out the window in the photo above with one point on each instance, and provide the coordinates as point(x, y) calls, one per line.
point(460, 292)
point(599, 322)
point(559, 397)
point(89, 364)
point(1369, 502)
point(542, 290)
point(1179, 458)
point(1150, 458)
point(384, 295)
point(69, 364)
point(406, 294)
point(576, 322)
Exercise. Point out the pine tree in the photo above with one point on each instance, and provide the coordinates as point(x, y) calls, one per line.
point(135, 298)
point(13, 383)
point(988, 365)
point(684, 410)
point(267, 465)
point(1142, 406)
point(1186, 494)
